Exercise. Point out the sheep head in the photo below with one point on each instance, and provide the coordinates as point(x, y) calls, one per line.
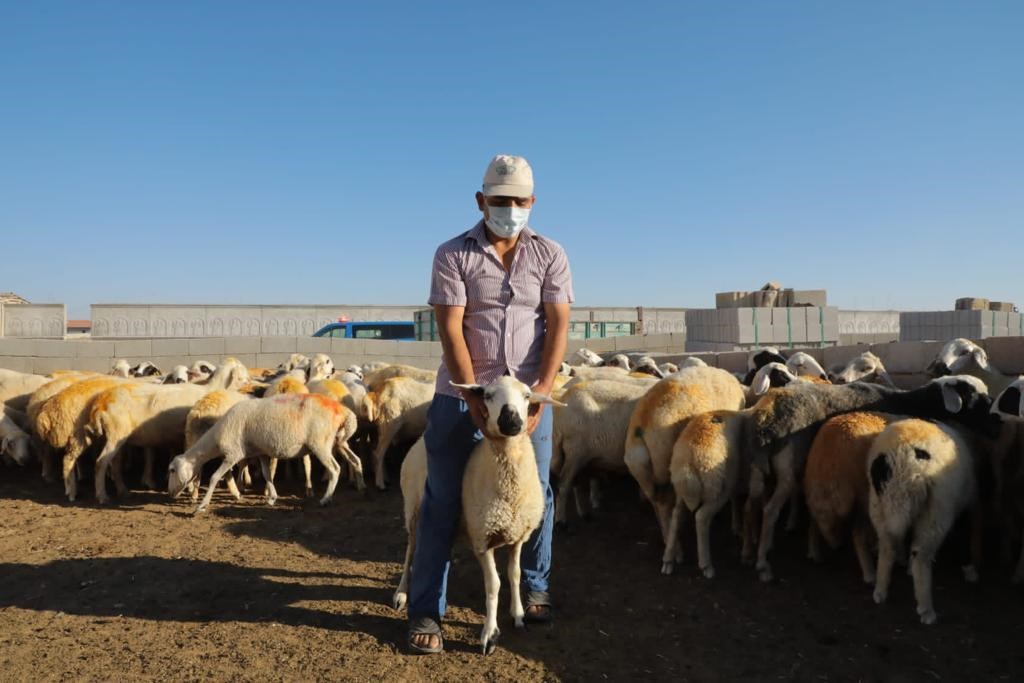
point(967, 398)
point(16, 447)
point(507, 404)
point(179, 474)
point(804, 364)
point(867, 367)
point(956, 357)
point(771, 375)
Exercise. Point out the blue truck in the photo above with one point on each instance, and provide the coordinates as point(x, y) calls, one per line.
point(402, 330)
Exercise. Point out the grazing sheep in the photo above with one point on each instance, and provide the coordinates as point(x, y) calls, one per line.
point(145, 369)
point(590, 430)
point(922, 477)
point(835, 488)
point(61, 419)
point(355, 370)
point(867, 367)
point(588, 372)
point(803, 364)
point(121, 368)
point(201, 419)
point(296, 361)
point(17, 387)
point(502, 501)
point(646, 365)
point(202, 370)
point(398, 408)
point(284, 426)
point(374, 378)
point(660, 416)
point(786, 421)
point(35, 403)
point(147, 416)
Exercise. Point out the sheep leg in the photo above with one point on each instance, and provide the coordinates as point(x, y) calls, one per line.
point(977, 538)
point(514, 570)
point(326, 458)
point(783, 489)
point(673, 548)
point(702, 520)
point(307, 468)
point(268, 466)
point(117, 472)
point(814, 542)
point(862, 545)
point(71, 456)
point(921, 569)
point(45, 455)
point(111, 449)
point(246, 476)
point(354, 463)
point(595, 494)
point(793, 520)
point(737, 517)
point(492, 583)
point(582, 506)
point(229, 481)
point(754, 505)
point(886, 558)
point(402, 592)
point(225, 467)
point(570, 469)
point(148, 477)
point(388, 433)
point(269, 472)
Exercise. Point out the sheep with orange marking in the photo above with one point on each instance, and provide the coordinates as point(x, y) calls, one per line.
point(835, 488)
point(147, 416)
point(281, 427)
point(659, 417)
point(201, 419)
point(398, 408)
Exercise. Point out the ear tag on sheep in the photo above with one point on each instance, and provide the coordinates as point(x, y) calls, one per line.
point(954, 404)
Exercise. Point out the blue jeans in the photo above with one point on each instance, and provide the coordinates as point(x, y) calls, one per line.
point(450, 439)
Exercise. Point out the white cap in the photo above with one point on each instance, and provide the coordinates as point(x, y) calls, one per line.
point(508, 176)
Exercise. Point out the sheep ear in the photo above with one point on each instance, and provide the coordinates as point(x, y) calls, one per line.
point(761, 384)
point(475, 389)
point(544, 398)
point(951, 399)
point(981, 358)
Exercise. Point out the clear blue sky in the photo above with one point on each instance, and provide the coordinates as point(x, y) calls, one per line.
point(309, 152)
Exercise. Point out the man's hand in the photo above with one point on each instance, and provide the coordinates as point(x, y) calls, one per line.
point(477, 410)
point(533, 416)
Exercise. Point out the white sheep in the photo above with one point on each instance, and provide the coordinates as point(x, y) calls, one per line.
point(121, 368)
point(502, 500)
point(285, 426)
point(374, 378)
point(398, 408)
point(803, 364)
point(922, 477)
point(619, 360)
point(758, 358)
point(590, 430)
point(177, 375)
point(964, 357)
point(14, 441)
point(586, 357)
point(17, 387)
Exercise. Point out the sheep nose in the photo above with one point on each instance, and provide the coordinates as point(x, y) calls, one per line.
point(509, 421)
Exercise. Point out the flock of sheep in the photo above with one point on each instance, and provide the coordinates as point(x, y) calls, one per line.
point(883, 465)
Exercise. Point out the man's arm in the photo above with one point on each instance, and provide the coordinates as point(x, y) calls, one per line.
point(556, 339)
point(457, 359)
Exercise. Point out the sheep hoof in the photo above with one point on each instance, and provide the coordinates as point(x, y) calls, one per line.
point(309, 492)
point(970, 574)
point(869, 579)
point(928, 616)
point(324, 502)
point(199, 510)
point(667, 568)
point(879, 596)
point(489, 642)
point(399, 600)
point(520, 623)
point(709, 572)
point(764, 573)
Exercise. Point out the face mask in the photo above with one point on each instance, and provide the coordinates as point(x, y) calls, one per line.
point(507, 221)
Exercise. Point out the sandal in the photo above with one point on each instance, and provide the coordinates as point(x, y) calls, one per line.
point(425, 626)
point(538, 599)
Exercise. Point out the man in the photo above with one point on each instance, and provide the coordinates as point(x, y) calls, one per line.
point(501, 295)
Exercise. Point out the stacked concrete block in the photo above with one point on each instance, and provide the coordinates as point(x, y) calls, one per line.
point(751, 327)
point(971, 303)
point(970, 324)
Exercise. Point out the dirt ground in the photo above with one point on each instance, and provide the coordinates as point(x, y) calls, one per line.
point(142, 590)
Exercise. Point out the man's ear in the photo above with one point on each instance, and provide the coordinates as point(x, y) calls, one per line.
point(480, 203)
point(475, 389)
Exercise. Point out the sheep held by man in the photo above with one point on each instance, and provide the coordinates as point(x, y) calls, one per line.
point(502, 500)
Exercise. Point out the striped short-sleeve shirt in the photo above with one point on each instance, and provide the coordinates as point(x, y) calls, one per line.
point(504, 319)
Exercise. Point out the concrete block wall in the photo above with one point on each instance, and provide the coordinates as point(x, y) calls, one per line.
point(36, 321)
point(720, 329)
